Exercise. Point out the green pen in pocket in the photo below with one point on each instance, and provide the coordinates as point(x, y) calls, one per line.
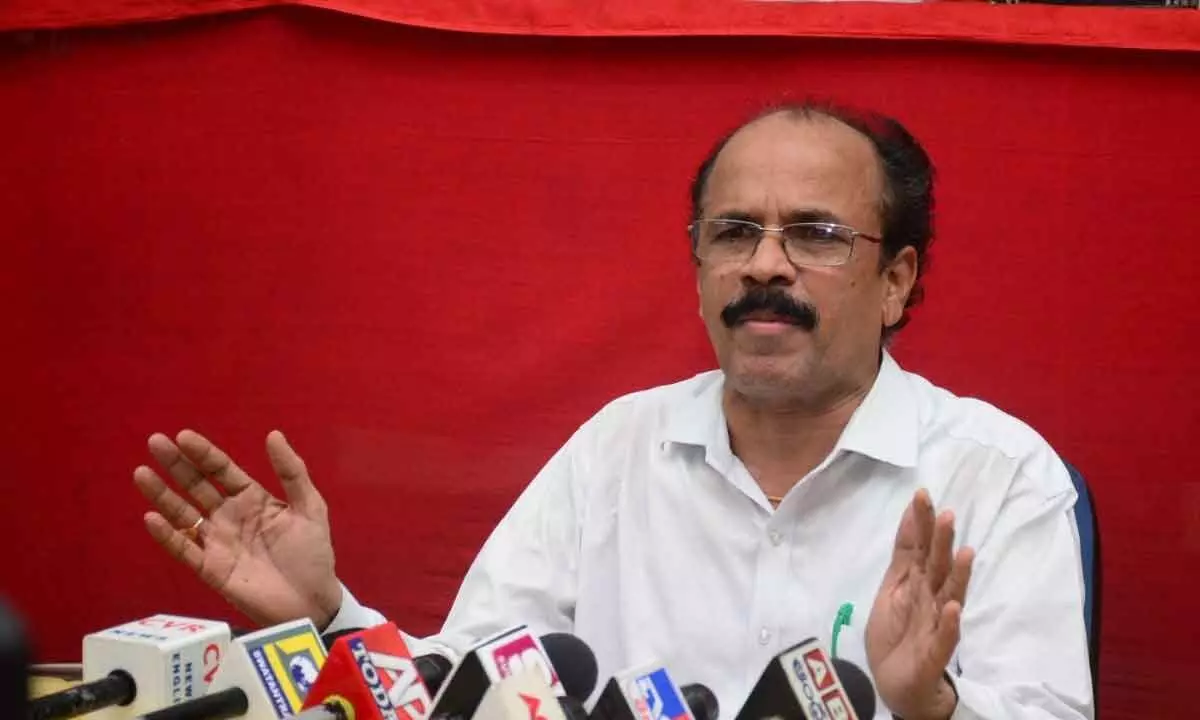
point(844, 615)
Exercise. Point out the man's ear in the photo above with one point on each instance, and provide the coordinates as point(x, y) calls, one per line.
point(899, 276)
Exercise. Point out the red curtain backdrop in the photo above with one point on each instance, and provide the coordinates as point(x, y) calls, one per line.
point(428, 256)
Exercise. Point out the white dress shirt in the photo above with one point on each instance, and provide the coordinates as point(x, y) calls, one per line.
point(646, 536)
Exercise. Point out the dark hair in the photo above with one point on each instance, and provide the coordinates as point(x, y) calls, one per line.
point(906, 208)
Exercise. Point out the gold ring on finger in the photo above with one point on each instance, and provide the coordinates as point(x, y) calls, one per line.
point(193, 532)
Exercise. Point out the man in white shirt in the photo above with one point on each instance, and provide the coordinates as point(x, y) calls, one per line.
point(715, 522)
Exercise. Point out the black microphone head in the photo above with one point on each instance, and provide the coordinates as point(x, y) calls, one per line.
point(573, 708)
point(858, 687)
point(331, 637)
point(701, 701)
point(574, 662)
point(433, 669)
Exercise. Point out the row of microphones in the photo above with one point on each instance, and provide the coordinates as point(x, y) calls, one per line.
point(172, 668)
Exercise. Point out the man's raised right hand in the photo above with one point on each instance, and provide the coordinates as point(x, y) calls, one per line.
point(272, 560)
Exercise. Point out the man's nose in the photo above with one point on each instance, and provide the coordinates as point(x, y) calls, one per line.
point(769, 264)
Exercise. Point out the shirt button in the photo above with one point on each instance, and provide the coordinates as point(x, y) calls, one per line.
point(764, 636)
point(776, 537)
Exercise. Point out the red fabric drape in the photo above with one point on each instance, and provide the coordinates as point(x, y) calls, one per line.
point(428, 256)
point(1160, 29)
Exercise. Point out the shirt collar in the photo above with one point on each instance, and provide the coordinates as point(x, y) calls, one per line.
point(699, 420)
point(883, 427)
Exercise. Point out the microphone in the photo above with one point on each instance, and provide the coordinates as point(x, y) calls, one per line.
point(564, 664)
point(574, 662)
point(329, 638)
point(140, 666)
point(858, 688)
point(802, 682)
point(266, 674)
point(525, 696)
point(701, 701)
point(433, 668)
point(371, 675)
point(14, 664)
point(648, 691)
point(572, 708)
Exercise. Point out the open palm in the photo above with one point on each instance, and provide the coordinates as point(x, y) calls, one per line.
point(272, 560)
point(914, 624)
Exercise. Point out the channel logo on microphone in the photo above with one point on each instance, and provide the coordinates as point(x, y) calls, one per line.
point(521, 654)
point(821, 673)
point(657, 698)
point(288, 661)
point(819, 670)
point(837, 705)
point(388, 658)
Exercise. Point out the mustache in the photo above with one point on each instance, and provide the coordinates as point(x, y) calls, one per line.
point(774, 300)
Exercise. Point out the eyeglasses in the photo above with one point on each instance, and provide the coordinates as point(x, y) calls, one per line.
point(722, 241)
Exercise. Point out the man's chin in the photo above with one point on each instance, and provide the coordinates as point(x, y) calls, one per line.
point(758, 351)
point(766, 376)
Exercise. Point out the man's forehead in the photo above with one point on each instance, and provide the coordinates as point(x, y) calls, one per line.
point(817, 158)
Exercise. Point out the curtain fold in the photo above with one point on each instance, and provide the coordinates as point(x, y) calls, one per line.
point(1144, 28)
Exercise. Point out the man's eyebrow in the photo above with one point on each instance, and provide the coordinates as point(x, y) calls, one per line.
point(807, 215)
point(737, 215)
point(802, 215)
